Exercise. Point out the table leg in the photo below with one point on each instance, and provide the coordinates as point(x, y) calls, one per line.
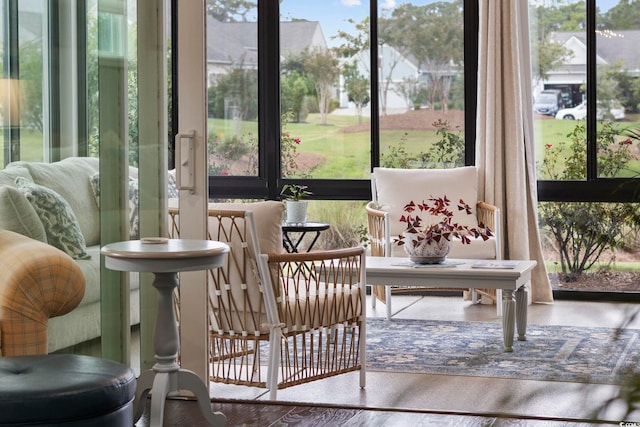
point(188, 380)
point(290, 245)
point(159, 392)
point(145, 383)
point(167, 377)
point(522, 306)
point(508, 318)
point(313, 242)
point(387, 296)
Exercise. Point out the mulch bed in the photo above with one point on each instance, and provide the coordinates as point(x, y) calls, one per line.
point(420, 120)
point(603, 281)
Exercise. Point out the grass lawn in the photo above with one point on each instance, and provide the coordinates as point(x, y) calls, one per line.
point(347, 155)
point(31, 146)
point(629, 266)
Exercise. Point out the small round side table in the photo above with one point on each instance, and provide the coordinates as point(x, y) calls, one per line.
point(165, 258)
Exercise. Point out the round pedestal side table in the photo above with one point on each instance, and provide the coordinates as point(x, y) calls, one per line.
point(165, 258)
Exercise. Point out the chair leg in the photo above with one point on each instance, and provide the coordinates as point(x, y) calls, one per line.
point(363, 356)
point(274, 363)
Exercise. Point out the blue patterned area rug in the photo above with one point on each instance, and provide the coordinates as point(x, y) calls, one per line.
point(552, 353)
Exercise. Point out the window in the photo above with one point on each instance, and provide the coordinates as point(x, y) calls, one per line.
point(25, 81)
point(421, 84)
point(586, 120)
point(232, 66)
point(325, 116)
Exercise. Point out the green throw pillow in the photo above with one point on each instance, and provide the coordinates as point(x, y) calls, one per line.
point(57, 217)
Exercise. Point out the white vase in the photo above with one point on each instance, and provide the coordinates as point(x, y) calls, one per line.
point(296, 212)
point(421, 252)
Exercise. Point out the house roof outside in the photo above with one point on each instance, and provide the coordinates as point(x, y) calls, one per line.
point(235, 42)
point(611, 46)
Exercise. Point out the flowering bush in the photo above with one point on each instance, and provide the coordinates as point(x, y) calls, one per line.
point(444, 228)
point(289, 149)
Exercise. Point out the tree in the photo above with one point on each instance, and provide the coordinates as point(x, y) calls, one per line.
point(390, 57)
point(433, 35)
point(323, 67)
point(293, 87)
point(548, 19)
point(357, 88)
point(550, 56)
point(620, 85)
point(559, 15)
point(409, 89)
point(353, 43)
point(31, 85)
point(623, 16)
point(608, 90)
point(356, 46)
point(230, 10)
point(236, 90)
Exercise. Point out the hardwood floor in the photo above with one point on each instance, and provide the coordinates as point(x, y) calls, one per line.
point(185, 413)
point(393, 399)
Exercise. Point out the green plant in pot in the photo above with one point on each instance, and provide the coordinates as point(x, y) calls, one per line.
point(296, 207)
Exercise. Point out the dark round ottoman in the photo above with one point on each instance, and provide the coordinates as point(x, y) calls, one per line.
point(65, 389)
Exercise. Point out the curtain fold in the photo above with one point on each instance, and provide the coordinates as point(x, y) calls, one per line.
point(505, 152)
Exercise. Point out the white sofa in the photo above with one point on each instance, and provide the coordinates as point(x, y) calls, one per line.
point(71, 179)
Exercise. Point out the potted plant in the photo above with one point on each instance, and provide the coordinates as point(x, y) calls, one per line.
point(296, 208)
point(429, 243)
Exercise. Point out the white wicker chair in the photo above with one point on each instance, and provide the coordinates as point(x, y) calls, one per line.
point(392, 189)
point(279, 319)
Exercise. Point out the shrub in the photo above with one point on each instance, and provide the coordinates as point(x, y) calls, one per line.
point(447, 152)
point(583, 231)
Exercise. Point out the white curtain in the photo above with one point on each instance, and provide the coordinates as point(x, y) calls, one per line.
point(505, 153)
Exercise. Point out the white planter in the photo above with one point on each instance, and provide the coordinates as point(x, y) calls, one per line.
point(421, 252)
point(296, 212)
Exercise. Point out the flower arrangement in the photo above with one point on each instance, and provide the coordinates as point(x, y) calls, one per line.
point(441, 231)
point(295, 192)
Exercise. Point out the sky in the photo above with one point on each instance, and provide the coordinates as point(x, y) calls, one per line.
point(332, 14)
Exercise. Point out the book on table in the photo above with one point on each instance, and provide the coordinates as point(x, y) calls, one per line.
point(495, 264)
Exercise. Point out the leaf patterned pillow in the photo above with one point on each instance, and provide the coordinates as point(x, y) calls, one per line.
point(172, 186)
point(60, 223)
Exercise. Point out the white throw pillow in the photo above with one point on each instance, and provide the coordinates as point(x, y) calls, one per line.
point(397, 187)
point(267, 217)
point(17, 214)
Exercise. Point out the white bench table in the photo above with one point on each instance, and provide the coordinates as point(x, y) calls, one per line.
point(390, 271)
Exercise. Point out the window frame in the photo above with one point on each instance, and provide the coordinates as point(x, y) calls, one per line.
point(268, 183)
point(593, 188)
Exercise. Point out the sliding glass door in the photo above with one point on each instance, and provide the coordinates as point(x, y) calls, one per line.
point(191, 168)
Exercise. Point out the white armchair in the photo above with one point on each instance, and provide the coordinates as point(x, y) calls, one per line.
point(277, 319)
point(392, 189)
